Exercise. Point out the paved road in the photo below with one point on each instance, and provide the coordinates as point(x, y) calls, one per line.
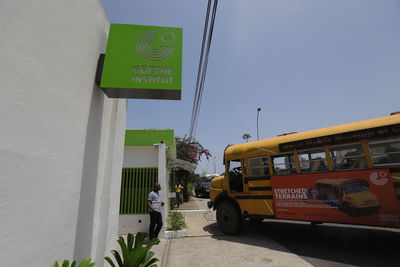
point(336, 245)
point(206, 246)
point(321, 245)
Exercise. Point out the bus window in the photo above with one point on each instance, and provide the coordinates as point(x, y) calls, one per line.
point(313, 161)
point(385, 153)
point(284, 164)
point(235, 176)
point(258, 167)
point(348, 157)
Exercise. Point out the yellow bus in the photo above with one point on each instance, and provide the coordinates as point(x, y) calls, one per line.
point(343, 174)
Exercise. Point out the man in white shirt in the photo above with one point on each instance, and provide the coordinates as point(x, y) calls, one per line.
point(154, 204)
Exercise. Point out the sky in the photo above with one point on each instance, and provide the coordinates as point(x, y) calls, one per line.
point(307, 64)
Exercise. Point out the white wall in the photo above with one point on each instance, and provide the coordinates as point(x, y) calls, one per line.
point(140, 157)
point(61, 139)
point(133, 223)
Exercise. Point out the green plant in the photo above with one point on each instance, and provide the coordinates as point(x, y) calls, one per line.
point(176, 221)
point(134, 252)
point(246, 137)
point(190, 189)
point(85, 263)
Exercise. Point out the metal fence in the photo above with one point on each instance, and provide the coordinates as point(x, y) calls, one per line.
point(136, 184)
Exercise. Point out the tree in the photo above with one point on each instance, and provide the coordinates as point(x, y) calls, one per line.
point(190, 150)
point(246, 137)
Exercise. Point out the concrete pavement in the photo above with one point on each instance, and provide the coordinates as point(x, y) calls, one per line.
point(205, 245)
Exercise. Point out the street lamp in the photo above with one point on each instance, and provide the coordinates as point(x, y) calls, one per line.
point(258, 112)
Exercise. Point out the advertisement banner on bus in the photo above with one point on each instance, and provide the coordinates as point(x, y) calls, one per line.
point(357, 197)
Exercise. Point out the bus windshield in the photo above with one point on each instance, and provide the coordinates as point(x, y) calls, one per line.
point(355, 188)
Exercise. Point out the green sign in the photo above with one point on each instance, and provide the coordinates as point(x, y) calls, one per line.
point(143, 62)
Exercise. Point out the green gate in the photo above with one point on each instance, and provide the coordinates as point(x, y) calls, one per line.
point(136, 184)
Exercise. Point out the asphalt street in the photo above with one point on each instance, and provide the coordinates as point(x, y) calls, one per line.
point(276, 243)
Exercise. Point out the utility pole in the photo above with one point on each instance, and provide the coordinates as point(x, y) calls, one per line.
point(258, 112)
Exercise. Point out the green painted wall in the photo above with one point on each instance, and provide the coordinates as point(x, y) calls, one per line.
point(150, 137)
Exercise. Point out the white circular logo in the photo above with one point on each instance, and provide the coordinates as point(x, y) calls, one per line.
point(378, 178)
point(151, 45)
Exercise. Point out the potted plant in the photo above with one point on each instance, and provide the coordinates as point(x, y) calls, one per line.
point(134, 252)
point(85, 263)
point(176, 223)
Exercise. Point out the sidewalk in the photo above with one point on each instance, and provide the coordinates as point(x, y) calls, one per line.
point(206, 246)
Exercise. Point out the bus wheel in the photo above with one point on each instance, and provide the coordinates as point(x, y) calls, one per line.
point(228, 218)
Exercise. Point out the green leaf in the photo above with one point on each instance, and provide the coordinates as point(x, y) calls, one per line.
point(130, 241)
point(111, 262)
point(86, 263)
point(150, 263)
point(65, 263)
point(153, 242)
point(140, 253)
point(58, 264)
point(73, 264)
point(125, 251)
point(149, 255)
point(140, 236)
point(117, 257)
point(137, 256)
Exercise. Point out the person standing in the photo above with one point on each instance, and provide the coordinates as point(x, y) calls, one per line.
point(154, 204)
point(178, 194)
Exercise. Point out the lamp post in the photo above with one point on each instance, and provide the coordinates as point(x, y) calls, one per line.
point(258, 112)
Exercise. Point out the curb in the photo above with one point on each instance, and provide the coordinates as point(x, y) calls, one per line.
point(175, 234)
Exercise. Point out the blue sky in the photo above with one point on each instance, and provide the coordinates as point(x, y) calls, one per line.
point(307, 63)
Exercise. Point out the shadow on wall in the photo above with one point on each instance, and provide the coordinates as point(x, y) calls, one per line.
point(84, 229)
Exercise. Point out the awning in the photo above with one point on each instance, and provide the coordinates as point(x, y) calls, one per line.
point(181, 164)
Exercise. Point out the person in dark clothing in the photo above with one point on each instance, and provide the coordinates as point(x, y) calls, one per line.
point(154, 204)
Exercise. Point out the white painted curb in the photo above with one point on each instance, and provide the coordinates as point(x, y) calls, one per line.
point(175, 234)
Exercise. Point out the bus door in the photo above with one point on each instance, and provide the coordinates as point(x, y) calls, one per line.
point(257, 183)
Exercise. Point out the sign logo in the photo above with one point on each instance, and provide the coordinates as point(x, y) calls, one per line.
point(143, 62)
point(378, 178)
point(153, 45)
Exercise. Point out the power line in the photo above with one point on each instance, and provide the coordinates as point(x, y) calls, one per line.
point(203, 62)
point(197, 91)
point(206, 62)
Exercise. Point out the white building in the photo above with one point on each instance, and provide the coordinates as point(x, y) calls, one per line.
point(61, 138)
point(147, 157)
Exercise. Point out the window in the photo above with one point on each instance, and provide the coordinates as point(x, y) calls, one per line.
point(284, 164)
point(385, 153)
point(258, 166)
point(348, 157)
point(355, 188)
point(313, 161)
point(235, 176)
